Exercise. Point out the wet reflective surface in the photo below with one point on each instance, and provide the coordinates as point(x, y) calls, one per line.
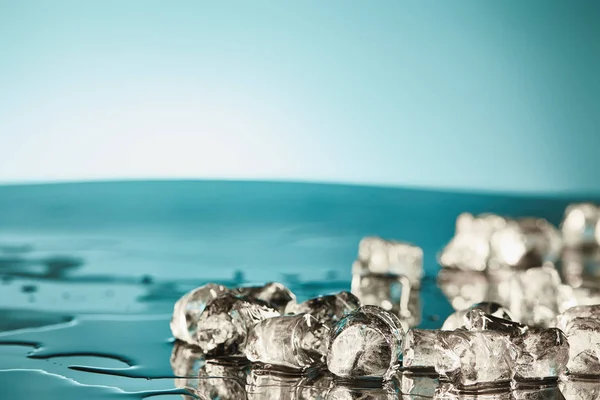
point(89, 274)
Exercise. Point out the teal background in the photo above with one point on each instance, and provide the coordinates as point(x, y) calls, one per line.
point(501, 96)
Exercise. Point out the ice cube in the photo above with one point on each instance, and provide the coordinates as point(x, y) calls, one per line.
point(457, 319)
point(579, 223)
point(478, 320)
point(526, 242)
point(328, 309)
point(418, 349)
point(463, 288)
point(473, 360)
point(293, 341)
point(188, 308)
point(365, 343)
point(274, 294)
point(389, 257)
point(390, 292)
point(592, 311)
point(224, 324)
point(222, 379)
point(533, 295)
point(580, 389)
point(583, 335)
point(469, 249)
point(542, 354)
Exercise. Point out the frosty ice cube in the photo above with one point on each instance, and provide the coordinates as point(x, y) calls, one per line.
point(457, 319)
point(583, 335)
point(274, 294)
point(224, 324)
point(389, 257)
point(418, 349)
point(223, 379)
point(592, 311)
point(463, 288)
point(473, 360)
point(542, 354)
point(326, 309)
point(293, 341)
point(469, 249)
point(579, 223)
point(188, 308)
point(526, 242)
point(365, 343)
point(478, 320)
point(390, 292)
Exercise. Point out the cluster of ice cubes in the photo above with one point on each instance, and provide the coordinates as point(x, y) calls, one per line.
point(518, 322)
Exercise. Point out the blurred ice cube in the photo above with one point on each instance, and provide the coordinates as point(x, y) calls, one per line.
point(225, 322)
point(463, 288)
point(188, 308)
point(294, 341)
point(365, 343)
point(473, 360)
point(327, 309)
point(389, 257)
point(580, 225)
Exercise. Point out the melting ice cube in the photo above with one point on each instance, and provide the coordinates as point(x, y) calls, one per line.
point(326, 309)
point(542, 354)
point(274, 294)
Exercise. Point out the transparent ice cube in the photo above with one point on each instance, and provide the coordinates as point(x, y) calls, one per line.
point(365, 343)
point(478, 320)
point(542, 354)
point(188, 308)
point(326, 309)
point(293, 341)
point(583, 335)
point(389, 257)
point(579, 225)
point(592, 311)
point(274, 294)
point(457, 319)
point(224, 324)
point(418, 349)
point(474, 360)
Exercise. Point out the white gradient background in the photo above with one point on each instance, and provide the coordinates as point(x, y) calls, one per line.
point(501, 96)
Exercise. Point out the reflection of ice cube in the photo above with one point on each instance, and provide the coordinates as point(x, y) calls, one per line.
point(220, 379)
point(326, 309)
point(418, 349)
point(366, 343)
point(541, 354)
point(472, 360)
point(294, 341)
point(224, 324)
point(390, 292)
point(389, 257)
point(188, 308)
point(357, 393)
point(447, 391)
point(415, 385)
point(275, 294)
point(538, 393)
point(457, 319)
point(266, 384)
point(583, 335)
point(579, 225)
